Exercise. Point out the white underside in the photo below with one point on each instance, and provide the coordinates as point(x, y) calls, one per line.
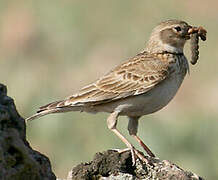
point(146, 103)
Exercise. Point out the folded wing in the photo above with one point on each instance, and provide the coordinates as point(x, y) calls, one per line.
point(131, 78)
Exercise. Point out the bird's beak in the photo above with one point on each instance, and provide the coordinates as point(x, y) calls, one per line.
point(199, 30)
point(192, 30)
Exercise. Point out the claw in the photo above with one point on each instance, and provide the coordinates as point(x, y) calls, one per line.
point(134, 154)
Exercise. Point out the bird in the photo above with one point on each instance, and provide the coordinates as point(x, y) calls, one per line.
point(139, 86)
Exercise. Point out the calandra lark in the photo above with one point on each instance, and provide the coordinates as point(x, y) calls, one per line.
point(141, 85)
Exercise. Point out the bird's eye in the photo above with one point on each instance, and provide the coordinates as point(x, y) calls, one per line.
point(177, 28)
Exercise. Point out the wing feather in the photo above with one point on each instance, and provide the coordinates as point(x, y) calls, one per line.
point(135, 76)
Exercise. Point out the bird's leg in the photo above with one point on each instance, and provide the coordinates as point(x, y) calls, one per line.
point(143, 145)
point(111, 123)
point(133, 127)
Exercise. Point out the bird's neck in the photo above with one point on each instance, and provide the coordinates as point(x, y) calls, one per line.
point(156, 45)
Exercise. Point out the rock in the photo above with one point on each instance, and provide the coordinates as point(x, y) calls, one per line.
point(111, 165)
point(18, 161)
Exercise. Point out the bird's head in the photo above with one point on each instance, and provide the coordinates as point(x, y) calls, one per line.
point(170, 36)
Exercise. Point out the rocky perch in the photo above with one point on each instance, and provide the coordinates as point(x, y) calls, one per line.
point(111, 165)
point(18, 161)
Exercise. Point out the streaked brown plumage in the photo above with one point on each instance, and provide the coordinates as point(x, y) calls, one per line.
point(141, 85)
point(133, 77)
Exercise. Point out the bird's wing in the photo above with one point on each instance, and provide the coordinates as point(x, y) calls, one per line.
point(135, 76)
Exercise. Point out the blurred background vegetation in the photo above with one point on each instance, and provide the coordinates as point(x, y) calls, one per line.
point(49, 49)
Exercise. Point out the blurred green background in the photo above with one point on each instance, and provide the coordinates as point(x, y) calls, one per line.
point(50, 49)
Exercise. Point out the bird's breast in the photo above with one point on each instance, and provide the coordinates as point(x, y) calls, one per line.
point(159, 96)
point(154, 99)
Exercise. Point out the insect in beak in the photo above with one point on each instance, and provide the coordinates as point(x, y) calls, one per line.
point(199, 30)
point(195, 33)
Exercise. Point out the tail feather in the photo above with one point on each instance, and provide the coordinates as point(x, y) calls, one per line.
point(65, 105)
point(54, 107)
point(51, 105)
point(41, 113)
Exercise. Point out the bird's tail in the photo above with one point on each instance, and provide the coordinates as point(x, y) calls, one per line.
point(54, 107)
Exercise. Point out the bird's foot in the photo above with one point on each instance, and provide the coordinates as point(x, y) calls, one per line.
point(134, 154)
